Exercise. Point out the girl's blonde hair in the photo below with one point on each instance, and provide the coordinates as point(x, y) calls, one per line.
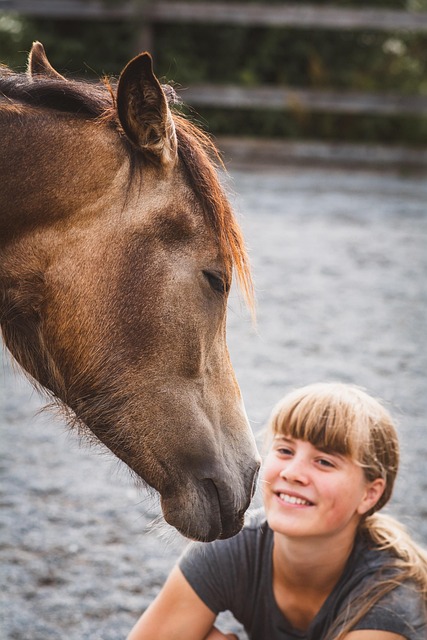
point(343, 418)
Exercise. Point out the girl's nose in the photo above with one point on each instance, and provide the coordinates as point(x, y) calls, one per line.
point(295, 471)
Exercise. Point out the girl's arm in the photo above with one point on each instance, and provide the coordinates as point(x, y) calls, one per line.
point(177, 614)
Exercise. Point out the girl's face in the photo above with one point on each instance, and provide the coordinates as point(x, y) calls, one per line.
point(311, 492)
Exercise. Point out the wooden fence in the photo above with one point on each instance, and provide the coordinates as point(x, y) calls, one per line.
point(149, 13)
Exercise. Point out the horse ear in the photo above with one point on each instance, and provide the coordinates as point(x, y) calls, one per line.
point(39, 65)
point(144, 112)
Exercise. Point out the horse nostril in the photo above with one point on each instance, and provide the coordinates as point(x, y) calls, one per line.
point(211, 489)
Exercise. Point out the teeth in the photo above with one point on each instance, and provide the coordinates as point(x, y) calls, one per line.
point(292, 499)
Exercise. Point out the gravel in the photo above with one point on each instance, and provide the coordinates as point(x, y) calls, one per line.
point(340, 268)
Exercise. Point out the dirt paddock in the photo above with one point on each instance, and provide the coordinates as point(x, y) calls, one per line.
point(340, 267)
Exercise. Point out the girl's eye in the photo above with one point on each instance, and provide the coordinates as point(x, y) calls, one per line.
point(323, 462)
point(284, 451)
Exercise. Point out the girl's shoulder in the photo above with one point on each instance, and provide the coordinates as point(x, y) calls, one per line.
point(245, 551)
point(227, 574)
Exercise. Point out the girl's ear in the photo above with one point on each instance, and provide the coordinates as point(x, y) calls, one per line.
point(373, 493)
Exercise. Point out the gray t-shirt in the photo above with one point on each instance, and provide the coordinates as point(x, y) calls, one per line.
point(236, 575)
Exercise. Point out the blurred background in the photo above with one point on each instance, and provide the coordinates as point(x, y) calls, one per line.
point(321, 112)
point(350, 72)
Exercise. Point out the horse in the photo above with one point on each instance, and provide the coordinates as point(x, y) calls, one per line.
point(117, 249)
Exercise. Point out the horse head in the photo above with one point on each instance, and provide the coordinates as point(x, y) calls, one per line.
point(117, 249)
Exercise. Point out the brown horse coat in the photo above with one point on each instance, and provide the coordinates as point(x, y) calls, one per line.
point(117, 245)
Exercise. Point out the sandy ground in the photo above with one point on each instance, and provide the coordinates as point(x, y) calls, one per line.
point(340, 267)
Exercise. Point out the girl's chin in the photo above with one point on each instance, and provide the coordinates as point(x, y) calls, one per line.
point(282, 523)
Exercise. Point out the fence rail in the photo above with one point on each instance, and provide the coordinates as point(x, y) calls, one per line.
point(299, 16)
point(296, 99)
point(337, 154)
point(309, 16)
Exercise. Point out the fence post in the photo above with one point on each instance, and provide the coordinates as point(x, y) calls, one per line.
point(144, 40)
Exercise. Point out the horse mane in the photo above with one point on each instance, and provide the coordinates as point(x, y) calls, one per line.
point(197, 151)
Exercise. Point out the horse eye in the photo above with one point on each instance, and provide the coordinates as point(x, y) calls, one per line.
point(217, 282)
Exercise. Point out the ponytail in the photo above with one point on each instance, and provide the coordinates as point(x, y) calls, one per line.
point(389, 534)
point(408, 562)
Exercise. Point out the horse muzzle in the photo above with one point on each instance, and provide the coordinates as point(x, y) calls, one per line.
point(211, 508)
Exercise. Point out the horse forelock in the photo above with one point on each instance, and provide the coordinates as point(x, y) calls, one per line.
point(201, 160)
point(196, 150)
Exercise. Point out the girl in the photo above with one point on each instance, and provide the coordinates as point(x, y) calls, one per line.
point(321, 564)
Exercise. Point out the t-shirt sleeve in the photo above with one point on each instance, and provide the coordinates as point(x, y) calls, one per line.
point(214, 571)
point(402, 611)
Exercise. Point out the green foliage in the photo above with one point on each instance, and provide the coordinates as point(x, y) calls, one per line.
point(360, 61)
point(77, 48)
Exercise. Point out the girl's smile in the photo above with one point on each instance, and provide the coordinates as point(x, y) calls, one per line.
point(294, 499)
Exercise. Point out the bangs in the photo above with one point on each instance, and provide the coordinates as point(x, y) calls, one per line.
point(332, 417)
